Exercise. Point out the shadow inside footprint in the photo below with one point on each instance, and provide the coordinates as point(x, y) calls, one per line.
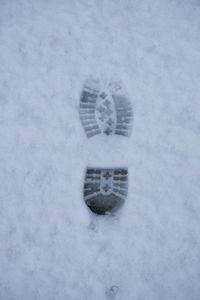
point(112, 292)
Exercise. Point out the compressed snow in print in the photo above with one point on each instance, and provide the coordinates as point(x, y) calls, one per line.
point(105, 108)
point(105, 190)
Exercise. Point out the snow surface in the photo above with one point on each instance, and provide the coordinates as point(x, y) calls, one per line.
point(51, 245)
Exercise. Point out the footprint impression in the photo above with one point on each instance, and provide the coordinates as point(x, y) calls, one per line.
point(105, 190)
point(105, 109)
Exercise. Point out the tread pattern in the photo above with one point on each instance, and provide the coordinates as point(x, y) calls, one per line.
point(105, 190)
point(105, 109)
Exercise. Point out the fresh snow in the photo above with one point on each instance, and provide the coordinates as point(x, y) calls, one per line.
point(51, 246)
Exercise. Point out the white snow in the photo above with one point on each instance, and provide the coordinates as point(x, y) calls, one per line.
point(51, 245)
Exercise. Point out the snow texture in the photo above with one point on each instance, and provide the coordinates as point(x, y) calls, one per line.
point(52, 246)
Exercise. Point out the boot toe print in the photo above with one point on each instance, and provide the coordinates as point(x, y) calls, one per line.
point(105, 109)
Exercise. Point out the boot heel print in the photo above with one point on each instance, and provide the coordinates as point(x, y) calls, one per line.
point(105, 190)
point(105, 109)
